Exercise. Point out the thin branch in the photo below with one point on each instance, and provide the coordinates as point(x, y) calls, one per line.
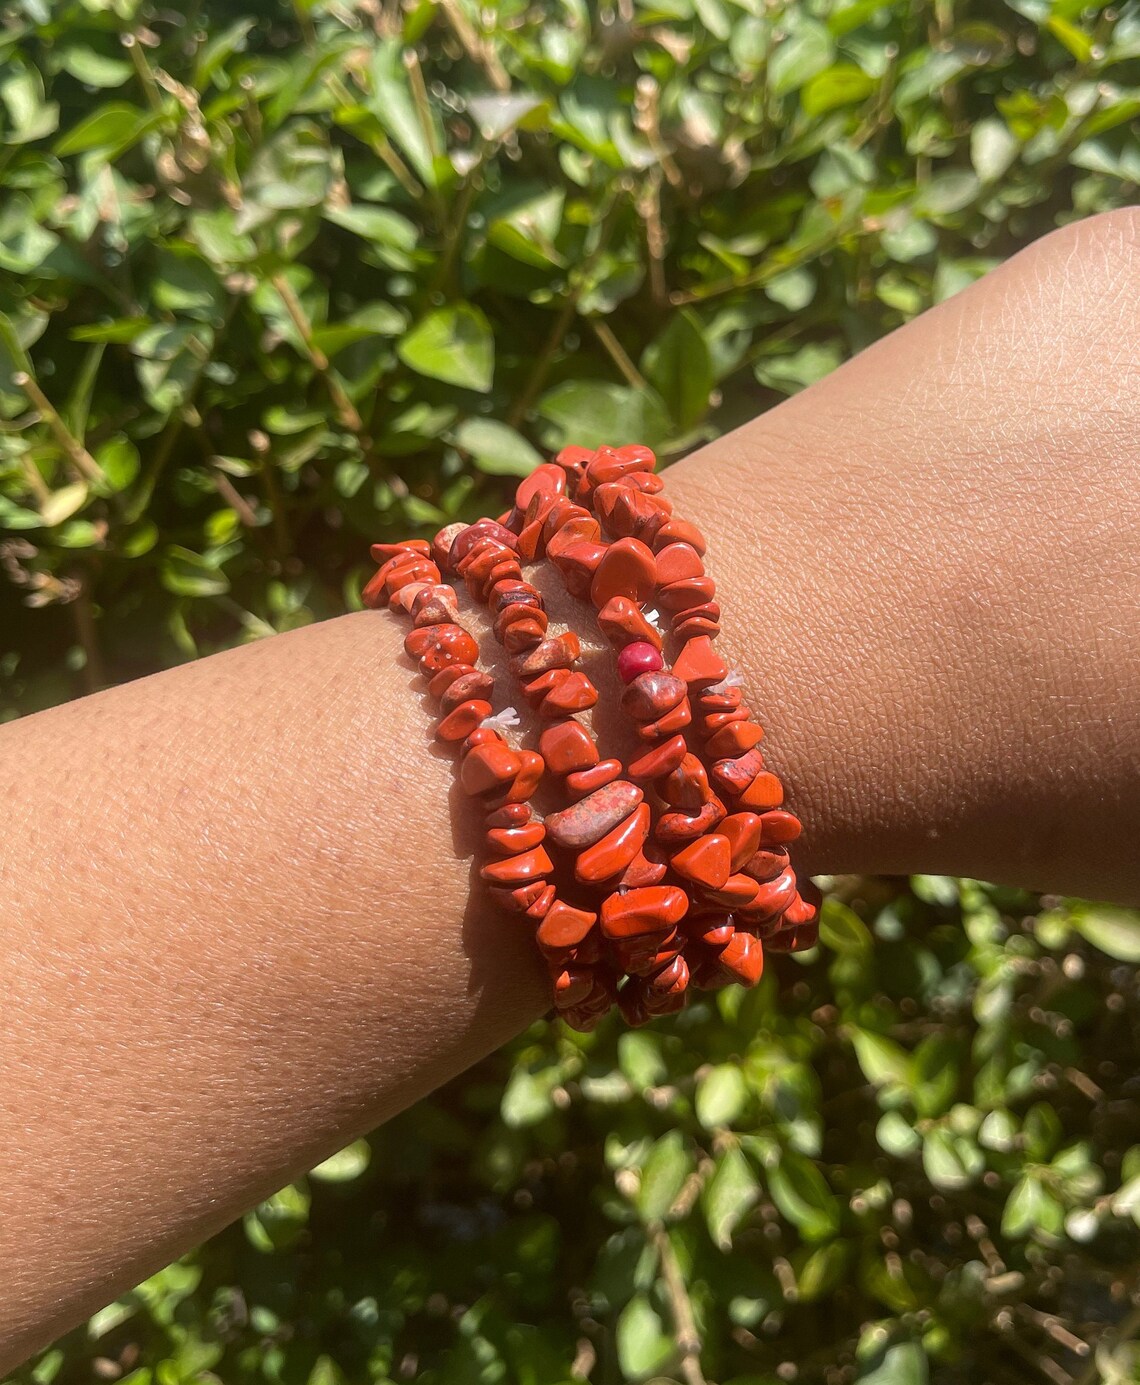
point(346, 410)
point(478, 49)
point(94, 671)
point(617, 353)
point(681, 1306)
point(76, 453)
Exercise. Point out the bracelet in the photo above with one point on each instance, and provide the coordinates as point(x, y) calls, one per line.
point(687, 851)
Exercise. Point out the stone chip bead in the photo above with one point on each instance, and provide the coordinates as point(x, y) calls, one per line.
point(519, 869)
point(622, 623)
point(435, 646)
point(466, 540)
point(487, 767)
point(458, 724)
point(588, 820)
point(706, 861)
point(567, 746)
point(698, 665)
point(651, 695)
point(628, 569)
point(616, 850)
point(655, 908)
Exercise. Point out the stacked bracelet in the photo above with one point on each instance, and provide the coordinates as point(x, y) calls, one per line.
point(680, 868)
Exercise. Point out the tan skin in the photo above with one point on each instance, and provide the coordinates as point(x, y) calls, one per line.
point(240, 927)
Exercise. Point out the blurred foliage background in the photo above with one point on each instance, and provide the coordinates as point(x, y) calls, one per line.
point(276, 280)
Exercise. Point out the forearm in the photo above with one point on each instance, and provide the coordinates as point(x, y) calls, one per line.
point(241, 926)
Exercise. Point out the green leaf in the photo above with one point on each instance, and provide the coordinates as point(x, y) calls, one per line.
point(798, 369)
point(663, 1176)
point(111, 129)
point(94, 69)
point(589, 413)
point(1075, 40)
point(1026, 1208)
point(13, 361)
point(881, 1059)
point(644, 1346)
point(721, 1097)
point(678, 365)
point(897, 1135)
point(63, 503)
point(380, 225)
point(641, 1059)
point(1113, 931)
point(186, 573)
point(803, 54)
point(993, 147)
point(345, 1165)
point(729, 1195)
point(454, 344)
point(528, 1097)
point(944, 1161)
point(841, 928)
point(800, 1192)
point(902, 1364)
point(496, 448)
point(841, 85)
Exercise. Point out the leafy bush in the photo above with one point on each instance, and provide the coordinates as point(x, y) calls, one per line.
point(275, 281)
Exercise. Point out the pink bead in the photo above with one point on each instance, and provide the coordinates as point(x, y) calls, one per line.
point(636, 658)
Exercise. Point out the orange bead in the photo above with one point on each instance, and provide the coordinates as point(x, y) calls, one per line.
point(574, 693)
point(381, 552)
point(773, 896)
point(706, 861)
point(622, 623)
point(516, 870)
point(698, 664)
point(628, 569)
point(435, 646)
point(616, 850)
point(733, 775)
point(742, 959)
point(687, 787)
point(780, 826)
point(652, 909)
point(584, 781)
point(471, 683)
point(766, 863)
point(676, 561)
point(546, 480)
point(764, 792)
point(577, 563)
point(733, 740)
point(488, 767)
point(567, 746)
point(564, 925)
point(512, 840)
point(674, 829)
point(680, 531)
point(668, 725)
point(660, 760)
point(528, 778)
point(590, 819)
point(462, 720)
point(646, 868)
point(737, 892)
point(651, 695)
point(743, 831)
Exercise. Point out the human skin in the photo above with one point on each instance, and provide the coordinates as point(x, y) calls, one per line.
point(240, 927)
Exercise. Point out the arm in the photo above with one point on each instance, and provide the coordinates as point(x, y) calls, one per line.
point(240, 924)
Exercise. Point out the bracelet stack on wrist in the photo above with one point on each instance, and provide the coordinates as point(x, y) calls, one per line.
point(669, 872)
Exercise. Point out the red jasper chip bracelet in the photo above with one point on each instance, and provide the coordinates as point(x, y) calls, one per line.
point(672, 871)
